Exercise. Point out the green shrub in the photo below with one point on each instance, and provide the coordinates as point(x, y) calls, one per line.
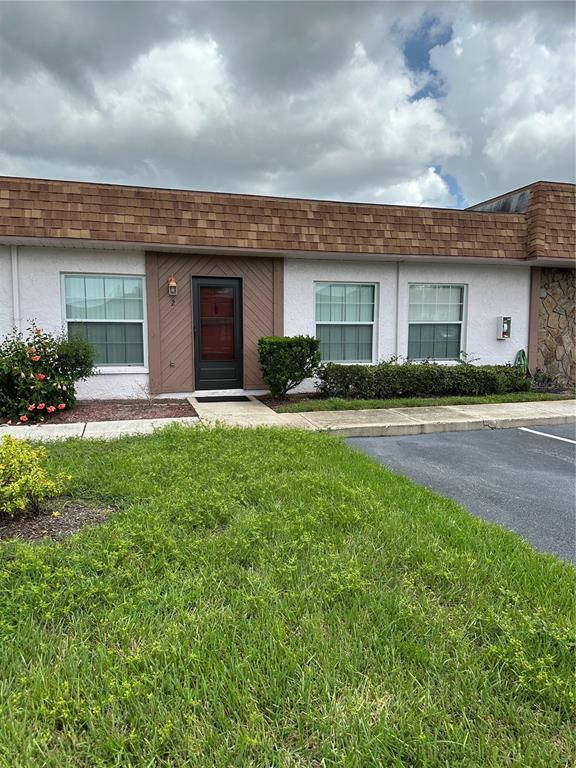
point(387, 380)
point(287, 360)
point(38, 373)
point(24, 482)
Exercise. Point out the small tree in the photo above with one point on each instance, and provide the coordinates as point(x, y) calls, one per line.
point(287, 360)
point(39, 371)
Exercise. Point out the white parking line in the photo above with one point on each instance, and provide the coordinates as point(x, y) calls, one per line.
point(545, 434)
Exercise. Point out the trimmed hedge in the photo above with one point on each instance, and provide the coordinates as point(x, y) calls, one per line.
point(377, 382)
point(287, 360)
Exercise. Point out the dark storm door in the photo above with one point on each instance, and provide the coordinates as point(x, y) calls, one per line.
point(217, 332)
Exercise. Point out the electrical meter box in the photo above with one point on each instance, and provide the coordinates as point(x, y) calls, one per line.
point(503, 327)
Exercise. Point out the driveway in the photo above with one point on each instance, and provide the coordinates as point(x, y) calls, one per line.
point(518, 478)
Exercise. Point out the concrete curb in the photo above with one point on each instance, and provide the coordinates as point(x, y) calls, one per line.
point(391, 422)
point(466, 425)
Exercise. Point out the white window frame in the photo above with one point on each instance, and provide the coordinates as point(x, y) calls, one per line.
point(461, 322)
point(110, 367)
point(373, 322)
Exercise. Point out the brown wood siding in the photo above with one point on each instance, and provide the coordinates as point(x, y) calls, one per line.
point(170, 336)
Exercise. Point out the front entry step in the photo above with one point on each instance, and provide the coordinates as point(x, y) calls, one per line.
point(223, 399)
point(243, 411)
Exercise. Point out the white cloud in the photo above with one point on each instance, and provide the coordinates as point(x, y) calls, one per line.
point(427, 189)
point(176, 117)
point(510, 91)
point(304, 101)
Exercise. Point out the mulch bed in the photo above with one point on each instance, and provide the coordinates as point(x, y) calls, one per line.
point(273, 403)
point(58, 519)
point(121, 410)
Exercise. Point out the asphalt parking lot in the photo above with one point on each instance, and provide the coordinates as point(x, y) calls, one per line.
point(518, 478)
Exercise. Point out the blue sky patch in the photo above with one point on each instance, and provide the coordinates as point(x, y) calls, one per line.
point(416, 49)
point(453, 186)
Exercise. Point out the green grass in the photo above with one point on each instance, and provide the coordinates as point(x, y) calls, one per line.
point(269, 598)
point(338, 404)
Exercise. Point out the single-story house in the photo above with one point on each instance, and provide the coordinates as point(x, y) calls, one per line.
point(174, 288)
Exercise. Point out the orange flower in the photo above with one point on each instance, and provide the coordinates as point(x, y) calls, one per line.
point(37, 331)
point(24, 418)
point(31, 407)
point(40, 406)
point(40, 376)
point(50, 409)
point(35, 358)
point(61, 406)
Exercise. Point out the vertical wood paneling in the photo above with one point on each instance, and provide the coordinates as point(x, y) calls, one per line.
point(172, 359)
point(278, 297)
point(153, 315)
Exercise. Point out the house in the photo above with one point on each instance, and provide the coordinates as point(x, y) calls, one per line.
point(174, 287)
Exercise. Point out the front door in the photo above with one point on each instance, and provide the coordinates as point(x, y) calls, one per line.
point(217, 332)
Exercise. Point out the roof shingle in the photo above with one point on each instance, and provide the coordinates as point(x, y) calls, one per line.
point(163, 217)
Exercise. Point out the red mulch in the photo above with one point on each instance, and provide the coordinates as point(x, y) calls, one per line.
point(273, 403)
point(121, 410)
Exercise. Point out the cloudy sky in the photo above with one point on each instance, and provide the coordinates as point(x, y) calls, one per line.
point(419, 103)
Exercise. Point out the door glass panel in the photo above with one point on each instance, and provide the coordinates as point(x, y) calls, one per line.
point(216, 323)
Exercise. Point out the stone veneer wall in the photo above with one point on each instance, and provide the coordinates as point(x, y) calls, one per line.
point(557, 325)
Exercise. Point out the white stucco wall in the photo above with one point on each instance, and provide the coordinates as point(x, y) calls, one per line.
point(40, 298)
point(299, 299)
point(6, 308)
point(492, 290)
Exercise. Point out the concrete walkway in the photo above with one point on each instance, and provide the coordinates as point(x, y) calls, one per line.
point(248, 413)
point(392, 421)
point(97, 430)
point(367, 423)
point(445, 418)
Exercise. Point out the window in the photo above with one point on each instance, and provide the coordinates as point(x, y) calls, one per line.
point(345, 321)
point(435, 318)
point(109, 312)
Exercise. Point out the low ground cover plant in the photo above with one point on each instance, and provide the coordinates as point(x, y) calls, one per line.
point(340, 404)
point(287, 360)
point(38, 373)
point(24, 479)
point(273, 598)
point(390, 379)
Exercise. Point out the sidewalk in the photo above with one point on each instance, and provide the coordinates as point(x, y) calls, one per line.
point(445, 418)
point(392, 421)
point(97, 430)
point(368, 423)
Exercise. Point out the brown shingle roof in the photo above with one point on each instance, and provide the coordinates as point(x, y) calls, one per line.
point(552, 221)
point(170, 218)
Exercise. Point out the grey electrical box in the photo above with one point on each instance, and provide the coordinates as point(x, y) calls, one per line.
point(503, 327)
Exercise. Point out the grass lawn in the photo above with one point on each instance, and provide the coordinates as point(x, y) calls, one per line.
point(270, 598)
point(338, 404)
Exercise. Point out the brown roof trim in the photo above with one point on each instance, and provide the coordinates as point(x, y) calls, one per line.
point(101, 214)
point(151, 247)
point(245, 195)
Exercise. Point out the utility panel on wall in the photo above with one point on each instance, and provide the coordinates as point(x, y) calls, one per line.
point(503, 327)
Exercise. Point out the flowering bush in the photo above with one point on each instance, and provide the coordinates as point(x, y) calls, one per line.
point(38, 373)
point(24, 482)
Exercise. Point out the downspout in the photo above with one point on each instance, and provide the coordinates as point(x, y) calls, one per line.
point(16, 318)
point(397, 319)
